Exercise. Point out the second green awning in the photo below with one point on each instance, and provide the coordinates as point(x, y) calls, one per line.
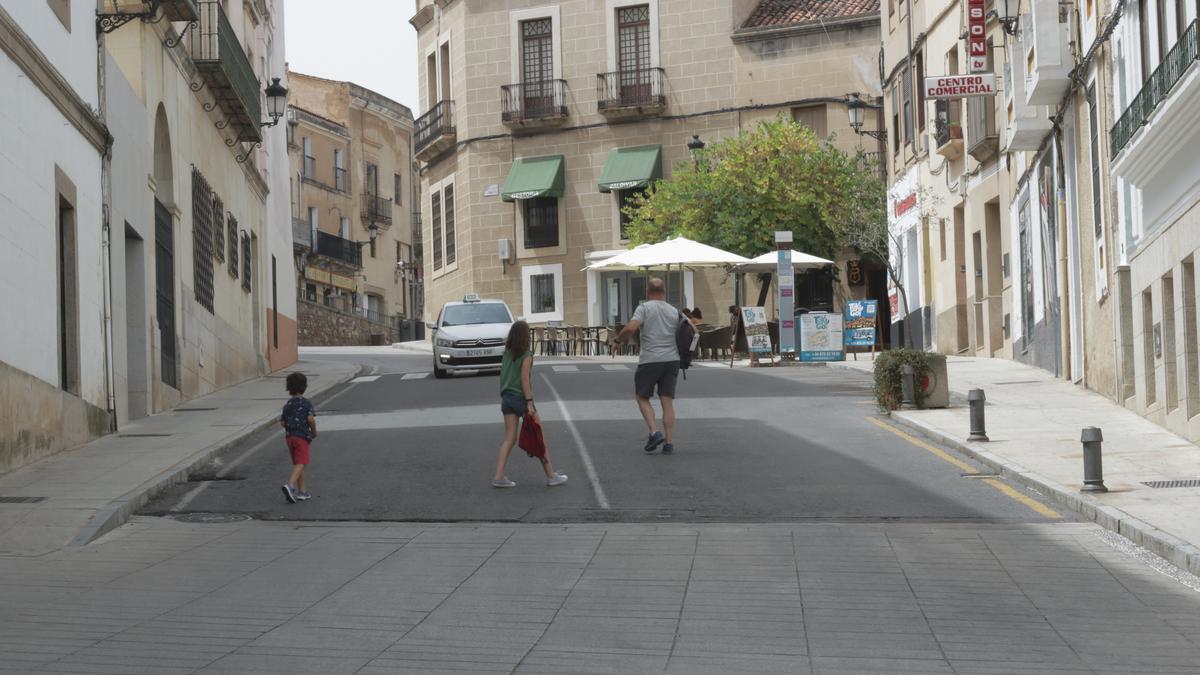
point(533, 177)
point(631, 168)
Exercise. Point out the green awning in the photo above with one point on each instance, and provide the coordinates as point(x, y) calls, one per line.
point(631, 168)
point(535, 177)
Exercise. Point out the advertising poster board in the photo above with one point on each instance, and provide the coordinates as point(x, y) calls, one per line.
point(821, 337)
point(861, 317)
point(787, 295)
point(758, 335)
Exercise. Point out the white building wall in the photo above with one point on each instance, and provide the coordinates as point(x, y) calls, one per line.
point(72, 53)
point(279, 217)
point(35, 138)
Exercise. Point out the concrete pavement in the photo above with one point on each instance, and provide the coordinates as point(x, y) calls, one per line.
point(74, 496)
point(1034, 422)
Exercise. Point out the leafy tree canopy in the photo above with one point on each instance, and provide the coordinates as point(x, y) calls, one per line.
point(779, 176)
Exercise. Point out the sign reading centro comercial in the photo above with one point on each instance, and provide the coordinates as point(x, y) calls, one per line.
point(958, 86)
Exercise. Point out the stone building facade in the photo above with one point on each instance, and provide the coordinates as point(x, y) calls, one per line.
point(352, 202)
point(138, 200)
point(540, 118)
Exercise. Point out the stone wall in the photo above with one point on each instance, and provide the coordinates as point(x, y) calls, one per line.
point(322, 326)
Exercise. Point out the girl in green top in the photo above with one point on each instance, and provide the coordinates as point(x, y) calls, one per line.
point(516, 400)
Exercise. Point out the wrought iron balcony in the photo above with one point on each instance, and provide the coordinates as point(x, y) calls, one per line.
point(301, 233)
point(343, 250)
point(537, 103)
point(433, 132)
point(947, 137)
point(631, 92)
point(1157, 88)
point(227, 73)
point(377, 209)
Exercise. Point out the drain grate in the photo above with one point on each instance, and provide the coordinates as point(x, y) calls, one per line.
point(193, 409)
point(1020, 382)
point(1185, 483)
point(211, 518)
point(143, 435)
point(21, 500)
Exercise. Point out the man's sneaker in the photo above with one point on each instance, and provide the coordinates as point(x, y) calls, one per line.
point(503, 483)
point(668, 448)
point(305, 496)
point(559, 479)
point(654, 441)
point(289, 493)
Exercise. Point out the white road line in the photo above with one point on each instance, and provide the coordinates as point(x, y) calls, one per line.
point(616, 366)
point(365, 378)
point(273, 437)
point(566, 369)
point(583, 452)
point(187, 499)
point(414, 376)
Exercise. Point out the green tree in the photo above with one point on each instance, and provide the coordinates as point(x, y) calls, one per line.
point(741, 190)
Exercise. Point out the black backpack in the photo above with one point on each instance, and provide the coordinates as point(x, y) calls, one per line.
point(686, 338)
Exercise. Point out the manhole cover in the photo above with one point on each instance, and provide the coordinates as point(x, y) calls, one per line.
point(1185, 483)
point(211, 518)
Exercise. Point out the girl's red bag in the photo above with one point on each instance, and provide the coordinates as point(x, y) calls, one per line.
point(531, 440)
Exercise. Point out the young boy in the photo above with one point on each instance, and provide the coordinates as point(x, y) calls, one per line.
point(299, 424)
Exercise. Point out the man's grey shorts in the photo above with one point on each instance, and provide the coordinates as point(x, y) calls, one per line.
point(662, 375)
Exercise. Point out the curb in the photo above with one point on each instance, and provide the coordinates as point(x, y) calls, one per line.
point(1178, 552)
point(120, 510)
point(412, 349)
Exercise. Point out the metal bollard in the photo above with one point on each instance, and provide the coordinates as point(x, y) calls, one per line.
point(908, 387)
point(976, 399)
point(1093, 469)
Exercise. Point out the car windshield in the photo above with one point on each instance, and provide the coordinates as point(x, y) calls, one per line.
point(475, 313)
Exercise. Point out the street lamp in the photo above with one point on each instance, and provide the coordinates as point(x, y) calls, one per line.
point(277, 98)
point(856, 109)
point(694, 147)
point(1008, 14)
point(373, 232)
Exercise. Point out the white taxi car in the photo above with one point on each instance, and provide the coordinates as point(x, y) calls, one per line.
point(470, 335)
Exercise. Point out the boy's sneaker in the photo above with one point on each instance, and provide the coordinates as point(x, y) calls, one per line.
point(668, 448)
point(559, 479)
point(289, 493)
point(654, 441)
point(303, 496)
point(503, 483)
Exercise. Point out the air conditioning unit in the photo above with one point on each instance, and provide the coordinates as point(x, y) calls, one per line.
point(506, 250)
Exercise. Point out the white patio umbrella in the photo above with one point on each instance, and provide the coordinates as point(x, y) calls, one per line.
point(677, 253)
point(769, 262)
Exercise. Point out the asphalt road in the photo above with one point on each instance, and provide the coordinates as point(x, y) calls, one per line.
point(789, 444)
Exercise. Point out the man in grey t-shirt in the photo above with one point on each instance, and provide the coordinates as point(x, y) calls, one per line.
point(658, 366)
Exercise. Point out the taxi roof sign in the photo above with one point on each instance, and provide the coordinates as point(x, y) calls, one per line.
point(471, 297)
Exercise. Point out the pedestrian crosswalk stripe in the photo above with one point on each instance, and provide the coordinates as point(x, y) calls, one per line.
point(566, 369)
point(365, 378)
point(615, 366)
point(415, 376)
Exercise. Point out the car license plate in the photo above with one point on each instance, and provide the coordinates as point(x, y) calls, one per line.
point(472, 353)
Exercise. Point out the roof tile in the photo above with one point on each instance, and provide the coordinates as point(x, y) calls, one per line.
point(778, 13)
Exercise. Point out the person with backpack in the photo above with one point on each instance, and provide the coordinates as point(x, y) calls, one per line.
point(667, 343)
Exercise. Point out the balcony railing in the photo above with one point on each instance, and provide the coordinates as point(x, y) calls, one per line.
point(333, 246)
point(544, 101)
point(377, 209)
point(301, 233)
point(339, 179)
point(434, 130)
point(1157, 88)
point(226, 71)
point(631, 89)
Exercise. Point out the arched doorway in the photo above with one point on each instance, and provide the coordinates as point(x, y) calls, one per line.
point(164, 250)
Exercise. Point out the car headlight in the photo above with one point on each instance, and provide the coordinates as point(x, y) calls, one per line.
point(445, 343)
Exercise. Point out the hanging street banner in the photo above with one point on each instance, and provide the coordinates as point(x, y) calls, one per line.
point(861, 320)
point(758, 335)
point(960, 86)
point(821, 337)
point(976, 36)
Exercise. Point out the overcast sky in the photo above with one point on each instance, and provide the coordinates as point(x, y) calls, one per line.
point(367, 42)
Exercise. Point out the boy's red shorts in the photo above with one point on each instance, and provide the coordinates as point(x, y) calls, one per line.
point(299, 448)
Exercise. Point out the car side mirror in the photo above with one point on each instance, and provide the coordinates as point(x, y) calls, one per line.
point(431, 325)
